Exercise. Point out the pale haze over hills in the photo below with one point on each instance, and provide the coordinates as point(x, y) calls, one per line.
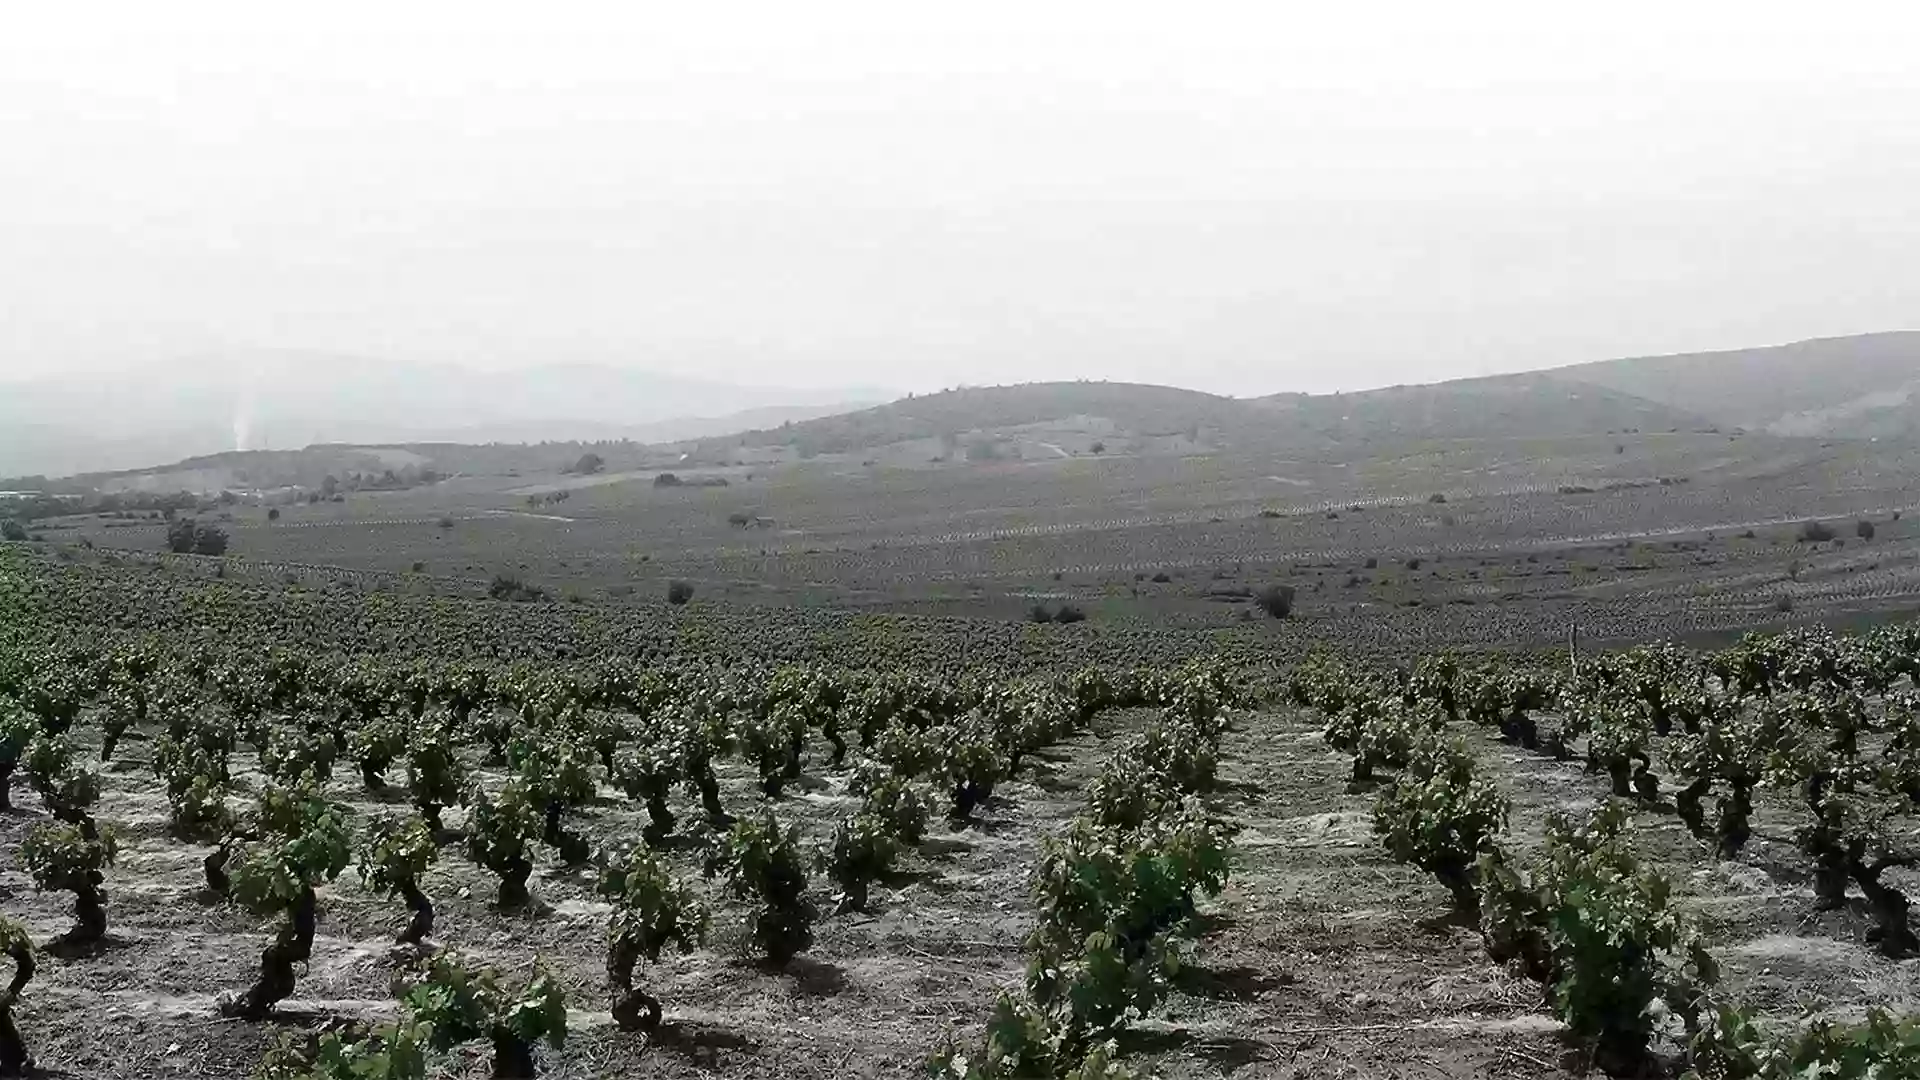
point(1252, 199)
point(1865, 386)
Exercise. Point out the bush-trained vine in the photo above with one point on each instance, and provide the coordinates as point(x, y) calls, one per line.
point(501, 832)
point(764, 865)
point(457, 1003)
point(299, 842)
point(394, 853)
point(651, 910)
point(1440, 815)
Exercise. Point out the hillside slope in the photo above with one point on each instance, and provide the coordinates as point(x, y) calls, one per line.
point(1860, 386)
point(1494, 407)
point(1504, 406)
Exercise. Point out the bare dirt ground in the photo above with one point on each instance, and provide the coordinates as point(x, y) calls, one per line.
point(1322, 959)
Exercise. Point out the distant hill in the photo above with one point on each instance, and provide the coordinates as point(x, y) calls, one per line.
point(255, 399)
point(1513, 405)
point(1134, 407)
point(1504, 405)
point(1861, 386)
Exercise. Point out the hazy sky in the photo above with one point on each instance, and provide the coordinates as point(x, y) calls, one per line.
point(1243, 198)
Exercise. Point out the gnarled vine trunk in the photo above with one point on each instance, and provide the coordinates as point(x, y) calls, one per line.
point(512, 1059)
point(633, 1010)
point(89, 910)
point(660, 819)
point(1821, 841)
point(1690, 805)
point(513, 882)
point(573, 849)
point(293, 945)
point(1892, 932)
point(14, 1059)
point(422, 922)
point(1733, 829)
point(709, 786)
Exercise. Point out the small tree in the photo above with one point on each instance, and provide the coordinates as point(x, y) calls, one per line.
point(1275, 600)
point(12, 530)
point(302, 844)
point(651, 910)
point(459, 1004)
point(589, 464)
point(1864, 529)
point(394, 852)
point(679, 592)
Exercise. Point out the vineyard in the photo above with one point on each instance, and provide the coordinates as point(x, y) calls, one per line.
point(257, 831)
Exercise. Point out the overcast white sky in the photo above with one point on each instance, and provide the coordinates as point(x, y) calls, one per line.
point(1242, 198)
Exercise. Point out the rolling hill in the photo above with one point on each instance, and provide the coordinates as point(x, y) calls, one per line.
point(1867, 385)
point(1503, 406)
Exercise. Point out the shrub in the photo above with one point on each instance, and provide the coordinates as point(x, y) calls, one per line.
point(1863, 529)
point(508, 587)
point(1436, 498)
point(1161, 578)
point(1040, 613)
point(1597, 929)
point(435, 774)
point(1275, 600)
point(389, 1052)
point(273, 513)
point(679, 592)
point(589, 464)
point(1815, 532)
point(666, 480)
point(12, 530)
point(1069, 614)
point(188, 537)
